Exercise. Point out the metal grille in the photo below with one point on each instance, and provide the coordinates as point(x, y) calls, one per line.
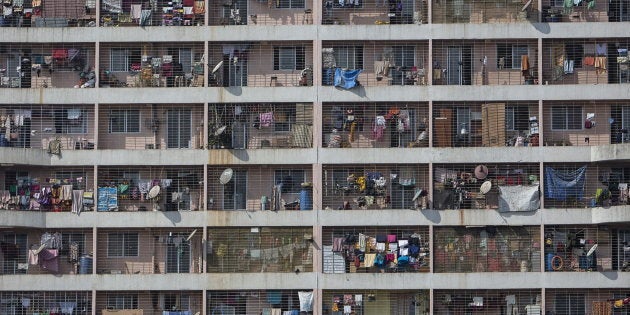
point(260, 188)
point(148, 302)
point(129, 188)
point(380, 63)
point(163, 13)
point(45, 189)
point(495, 124)
point(260, 126)
point(379, 12)
point(587, 248)
point(583, 301)
point(260, 249)
point(46, 251)
point(151, 126)
point(487, 249)
point(47, 65)
point(398, 186)
point(178, 64)
point(266, 12)
point(258, 64)
point(488, 62)
point(51, 13)
point(488, 302)
point(571, 185)
point(36, 302)
point(586, 61)
point(149, 251)
point(466, 11)
point(375, 125)
point(485, 186)
point(361, 302)
point(586, 123)
point(584, 11)
point(256, 302)
point(376, 249)
point(36, 126)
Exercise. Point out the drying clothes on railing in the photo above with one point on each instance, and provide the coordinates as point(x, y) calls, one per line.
point(346, 79)
point(306, 301)
point(177, 313)
point(49, 260)
point(145, 17)
point(107, 198)
point(518, 198)
point(561, 185)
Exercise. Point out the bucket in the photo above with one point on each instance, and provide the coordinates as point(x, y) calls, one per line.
point(306, 199)
point(85, 265)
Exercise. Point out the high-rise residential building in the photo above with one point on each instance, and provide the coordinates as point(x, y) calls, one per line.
point(329, 157)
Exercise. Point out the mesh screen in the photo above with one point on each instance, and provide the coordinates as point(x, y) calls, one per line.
point(363, 302)
point(256, 302)
point(488, 301)
point(582, 301)
point(148, 302)
point(35, 302)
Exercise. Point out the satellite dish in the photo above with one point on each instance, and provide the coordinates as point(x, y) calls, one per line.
point(592, 250)
point(153, 192)
point(191, 235)
point(417, 195)
point(485, 187)
point(217, 67)
point(219, 131)
point(226, 176)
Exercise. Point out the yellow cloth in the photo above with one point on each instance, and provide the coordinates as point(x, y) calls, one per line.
point(368, 261)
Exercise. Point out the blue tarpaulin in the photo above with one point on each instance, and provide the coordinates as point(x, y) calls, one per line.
point(346, 79)
point(560, 185)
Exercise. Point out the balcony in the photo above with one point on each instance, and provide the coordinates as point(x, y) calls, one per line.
point(496, 124)
point(261, 64)
point(578, 300)
point(45, 126)
point(488, 62)
point(584, 11)
point(379, 12)
point(347, 65)
point(260, 250)
point(586, 61)
point(375, 125)
point(259, 301)
point(116, 13)
point(148, 251)
point(377, 301)
point(487, 249)
point(254, 12)
point(149, 189)
point(488, 301)
point(587, 248)
point(152, 65)
point(585, 185)
point(490, 11)
point(263, 187)
point(120, 302)
point(47, 65)
point(505, 187)
point(55, 13)
point(151, 126)
point(50, 251)
point(260, 126)
point(64, 189)
point(25, 302)
point(375, 187)
point(376, 249)
point(582, 123)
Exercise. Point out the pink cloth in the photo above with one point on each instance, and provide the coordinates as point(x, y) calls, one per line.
point(33, 259)
point(266, 119)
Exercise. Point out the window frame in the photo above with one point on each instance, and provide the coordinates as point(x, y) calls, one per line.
point(290, 4)
point(114, 63)
point(508, 51)
point(297, 177)
point(285, 126)
point(298, 62)
point(125, 117)
point(567, 124)
point(125, 250)
point(351, 51)
point(128, 301)
point(516, 115)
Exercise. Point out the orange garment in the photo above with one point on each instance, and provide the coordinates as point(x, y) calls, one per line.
point(524, 62)
point(600, 64)
point(588, 61)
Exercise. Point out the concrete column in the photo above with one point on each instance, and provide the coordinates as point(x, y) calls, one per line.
point(430, 125)
point(317, 62)
point(318, 301)
point(206, 16)
point(204, 250)
point(541, 127)
point(205, 123)
point(317, 267)
point(93, 298)
point(542, 247)
point(95, 186)
point(205, 187)
point(431, 301)
point(317, 12)
point(94, 244)
point(97, 55)
point(540, 57)
point(430, 15)
point(431, 249)
point(430, 202)
point(96, 124)
point(541, 180)
point(317, 123)
point(98, 17)
point(318, 203)
point(206, 58)
point(430, 65)
point(543, 304)
point(540, 17)
point(204, 297)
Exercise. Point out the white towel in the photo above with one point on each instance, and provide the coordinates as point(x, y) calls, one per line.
point(136, 11)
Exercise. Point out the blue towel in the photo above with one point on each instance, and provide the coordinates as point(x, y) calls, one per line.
point(274, 297)
point(560, 185)
point(346, 79)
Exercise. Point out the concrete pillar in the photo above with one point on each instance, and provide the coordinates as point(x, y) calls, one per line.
point(318, 203)
point(539, 58)
point(204, 302)
point(97, 56)
point(93, 298)
point(205, 186)
point(206, 15)
point(96, 124)
point(317, 267)
point(430, 65)
point(430, 125)
point(98, 18)
point(204, 250)
point(204, 145)
point(430, 202)
point(542, 247)
point(431, 302)
point(431, 249)
point(95, 187)
point(317, 62)
point(543, 304)
point(430, 11)
point(94, 248)
point(206, 58)
point(317, 12)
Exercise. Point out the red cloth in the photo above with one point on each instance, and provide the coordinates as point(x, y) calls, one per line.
point(60, 53)
point(189, 3)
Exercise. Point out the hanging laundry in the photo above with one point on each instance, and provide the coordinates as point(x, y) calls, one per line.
point(561, 185)
point(346, 79)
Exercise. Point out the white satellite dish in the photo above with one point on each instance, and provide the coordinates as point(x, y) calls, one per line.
point(417, 195)
point(592, 250)
point(226, 176)
point(219, 131)
point(217, 67)
point(485, 187)
point(153, 192)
